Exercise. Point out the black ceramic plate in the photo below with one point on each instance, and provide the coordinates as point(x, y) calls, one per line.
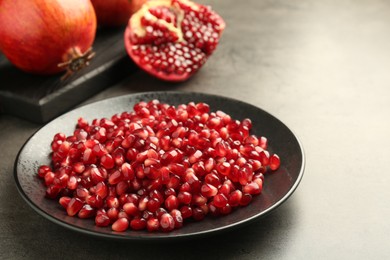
point(278, 186)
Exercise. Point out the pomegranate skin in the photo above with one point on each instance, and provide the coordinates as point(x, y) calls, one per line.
point(115, 12)
point(38, 35)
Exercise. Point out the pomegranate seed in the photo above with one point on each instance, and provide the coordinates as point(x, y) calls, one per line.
point(184, 197)
point(59, 137)
point(123, 214)
point(86, 212)
point(225, 209)
point(138, 223)
point(82, 193)
point(245, 199)
point(152, 224)
point(115, 178)
point(220, 200)
point(107, 161)
point(49, 178)
point(190, 176)
point(199, 200)
point(53, 191)
point(208, 190)
point(263, 142)
point(159, 212)
point(274, 162)
point(154, 168)
point(143, 203)
point(167, 223)
point(95, 201)
point(153, 204)
point(121, 188)
point(72, 183)
point(235, 198)
point(43, 170)
point(89, 157)
point(171, 202)
point(101, 190)
point(252, 188)
point(198, 214)
point(120, 225)
point(177, 168)
point(225, 189)
point(102, 220)
point(264, 157)
point(74, 206)
point(177, 217)
point(113, 213)
point(223, 168)
point(131, 209)
point(173, 182)
point(186, 211)
point(112, 202)
point(78, 167)
point(64, 201)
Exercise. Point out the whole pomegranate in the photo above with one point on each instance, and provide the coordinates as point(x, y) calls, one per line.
point(115, 12)
point(47, 36)
point(172, 39)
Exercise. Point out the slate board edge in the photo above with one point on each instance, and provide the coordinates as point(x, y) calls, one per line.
point(53, 105)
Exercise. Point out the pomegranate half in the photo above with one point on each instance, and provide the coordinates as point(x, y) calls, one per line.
point(47, 36)
point(115, 12)
point(172, 39)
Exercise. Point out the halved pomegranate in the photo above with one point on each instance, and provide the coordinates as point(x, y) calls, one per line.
point(172, 39)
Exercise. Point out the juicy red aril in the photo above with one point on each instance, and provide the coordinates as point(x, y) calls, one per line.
point(120, 225)
point(235, 198)
point(95, 201)
point(208, 190)
point(220, 200)
point(157, 166)
point(184, 197)
point(171, 202)
point(252, 188)
point(138, 223)
point(102, 220)
point(74, 205)
point(43, 170)
point(177, 217)
point(113, 213)
point(167, 223)
point(198, 214)
point(64, 201)
point(86, 212)
point(274, 162)
point(131, 209)
point(152, 224)
point(52, 191)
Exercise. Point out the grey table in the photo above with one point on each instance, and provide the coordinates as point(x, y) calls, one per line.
point(322, 67)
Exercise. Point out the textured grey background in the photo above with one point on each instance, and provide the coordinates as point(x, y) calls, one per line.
point(322, 67)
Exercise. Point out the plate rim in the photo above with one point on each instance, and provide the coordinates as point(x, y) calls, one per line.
point(162, 236)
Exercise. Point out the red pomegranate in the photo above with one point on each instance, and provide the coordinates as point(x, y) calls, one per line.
point(115, 12)
point(172, 39)
point(47, 36)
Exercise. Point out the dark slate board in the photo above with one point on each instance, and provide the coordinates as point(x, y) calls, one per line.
point(42, 98)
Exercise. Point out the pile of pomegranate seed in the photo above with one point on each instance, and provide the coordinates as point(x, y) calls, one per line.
point(157, 166)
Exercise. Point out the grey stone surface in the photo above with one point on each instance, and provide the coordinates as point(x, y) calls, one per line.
point(319, 66)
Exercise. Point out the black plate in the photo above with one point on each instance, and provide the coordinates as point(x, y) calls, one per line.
point(278, 186)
